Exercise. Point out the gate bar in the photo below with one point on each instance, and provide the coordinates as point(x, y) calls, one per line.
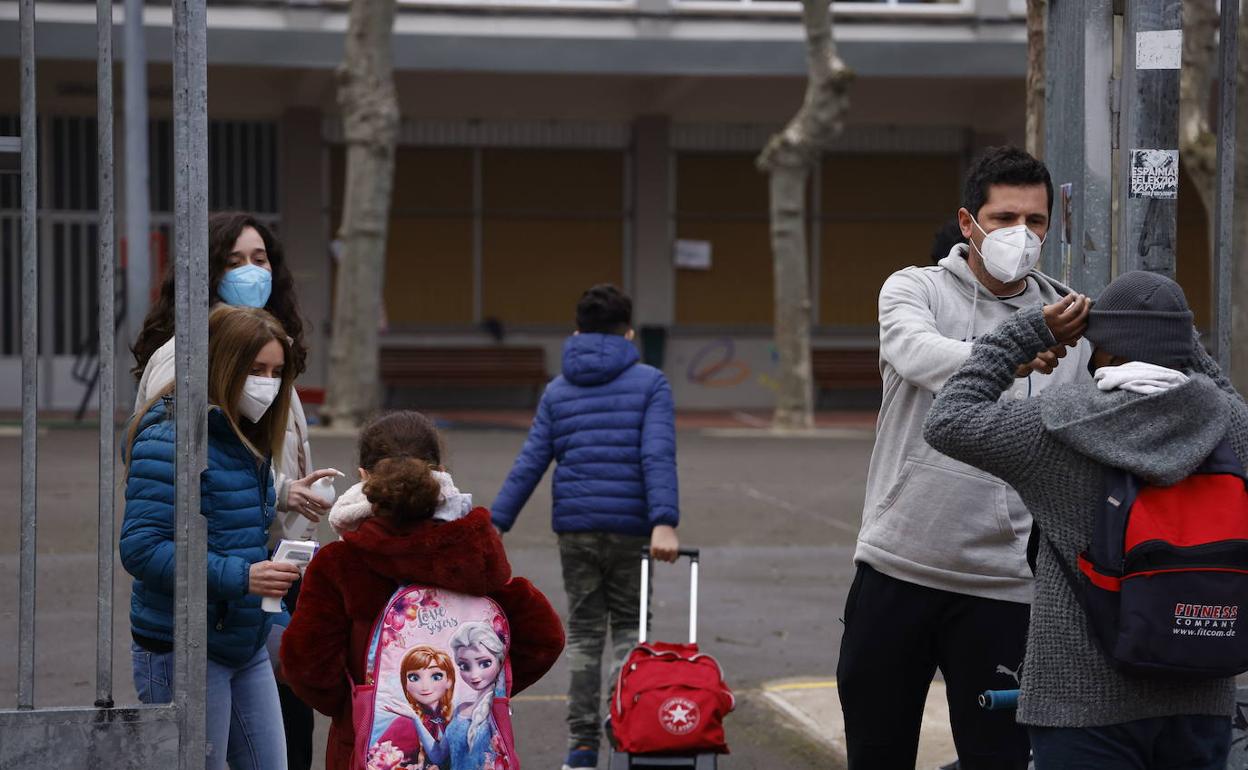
point(138, 191)
point(30, 360)
point(105, 378)
point(1224, 216)
point(190, 121)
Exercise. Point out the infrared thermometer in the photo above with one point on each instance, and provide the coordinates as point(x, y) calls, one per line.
point(296, 552)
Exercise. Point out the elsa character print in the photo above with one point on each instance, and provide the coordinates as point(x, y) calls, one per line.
point(428, 677)
point(472, 734)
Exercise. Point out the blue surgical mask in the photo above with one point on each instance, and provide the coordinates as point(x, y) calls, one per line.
point(246, 286)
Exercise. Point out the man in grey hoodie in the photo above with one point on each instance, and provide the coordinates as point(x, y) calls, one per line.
point(942, 578)
point(1159, 407)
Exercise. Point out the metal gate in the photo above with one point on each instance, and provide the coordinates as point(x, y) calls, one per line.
point(243, 176)
point(101, 735)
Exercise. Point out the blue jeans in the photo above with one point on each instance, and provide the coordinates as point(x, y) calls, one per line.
point(1163, 743)
point(243, 715)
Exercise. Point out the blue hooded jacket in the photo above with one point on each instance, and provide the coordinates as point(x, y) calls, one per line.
point(608, 424)
point(237, 498)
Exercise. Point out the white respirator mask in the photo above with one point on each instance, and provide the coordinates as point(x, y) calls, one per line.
point(1009, 253)
point(258, 395)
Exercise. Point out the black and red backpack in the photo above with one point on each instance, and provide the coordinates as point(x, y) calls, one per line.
point(1167, 571)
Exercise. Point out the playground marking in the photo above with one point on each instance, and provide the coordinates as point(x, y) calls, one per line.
point(539, 699)
point(820, 684)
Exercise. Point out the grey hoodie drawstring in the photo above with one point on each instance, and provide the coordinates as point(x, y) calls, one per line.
point(970, 324)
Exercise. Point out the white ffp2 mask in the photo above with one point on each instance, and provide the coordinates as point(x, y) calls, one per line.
point(258, 395)
point(1009, 253)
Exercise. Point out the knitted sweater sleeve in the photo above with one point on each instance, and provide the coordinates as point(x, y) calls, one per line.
point(969, 422)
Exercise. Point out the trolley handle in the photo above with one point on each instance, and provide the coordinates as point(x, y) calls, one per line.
point(694, 555)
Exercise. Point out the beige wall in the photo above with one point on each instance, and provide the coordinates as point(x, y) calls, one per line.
point(990, 109)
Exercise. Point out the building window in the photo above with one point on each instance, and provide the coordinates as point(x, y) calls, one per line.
point(504, 233)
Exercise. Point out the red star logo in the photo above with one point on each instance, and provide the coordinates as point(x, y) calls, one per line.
point(679, 716)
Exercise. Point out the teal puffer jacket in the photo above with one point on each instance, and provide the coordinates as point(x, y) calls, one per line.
point(237, 498)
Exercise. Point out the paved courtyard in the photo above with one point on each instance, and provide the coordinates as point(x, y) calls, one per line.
point(775, 518)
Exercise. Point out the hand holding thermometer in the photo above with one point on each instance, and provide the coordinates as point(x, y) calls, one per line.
point(296, 552)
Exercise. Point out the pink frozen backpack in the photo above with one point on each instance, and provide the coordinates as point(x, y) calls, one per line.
point(437, 686)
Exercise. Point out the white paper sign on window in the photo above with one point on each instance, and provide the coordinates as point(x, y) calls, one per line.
point(693, 255)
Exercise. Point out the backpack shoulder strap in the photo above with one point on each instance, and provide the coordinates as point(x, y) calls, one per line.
point(1223, 460)
point(370, 656)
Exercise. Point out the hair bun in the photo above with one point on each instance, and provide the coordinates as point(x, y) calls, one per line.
point(403, 488)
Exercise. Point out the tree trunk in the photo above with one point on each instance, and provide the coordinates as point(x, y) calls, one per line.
point(1037, 11)
point(370, 113)
point(795, 402)
point(788, 159)
point(1198, 144)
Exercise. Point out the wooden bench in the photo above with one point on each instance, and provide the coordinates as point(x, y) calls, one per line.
point(846, 369)
point(463, 367)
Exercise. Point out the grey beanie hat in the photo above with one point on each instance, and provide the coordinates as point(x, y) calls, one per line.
point(1143, 316)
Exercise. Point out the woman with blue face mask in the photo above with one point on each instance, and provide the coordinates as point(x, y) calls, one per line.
point(247, 268)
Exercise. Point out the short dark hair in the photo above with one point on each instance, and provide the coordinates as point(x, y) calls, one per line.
point(604, 309)
point(1003, 165)
point(945, 238)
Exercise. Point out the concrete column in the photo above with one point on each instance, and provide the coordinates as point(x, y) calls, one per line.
point(303, 231)
point(654, 278)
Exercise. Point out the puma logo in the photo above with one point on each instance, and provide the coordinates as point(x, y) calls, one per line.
point(1010, 672)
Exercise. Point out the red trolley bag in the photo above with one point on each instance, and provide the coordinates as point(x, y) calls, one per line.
point(670, 699)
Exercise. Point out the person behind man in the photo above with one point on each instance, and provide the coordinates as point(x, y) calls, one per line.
point(607, 422)
point(942, 579)
point(1159, 408)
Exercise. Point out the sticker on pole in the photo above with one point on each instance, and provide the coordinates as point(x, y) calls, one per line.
point(1155, 174)
point(1161, 50)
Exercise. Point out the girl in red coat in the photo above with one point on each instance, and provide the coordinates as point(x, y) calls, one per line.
point(404, 523)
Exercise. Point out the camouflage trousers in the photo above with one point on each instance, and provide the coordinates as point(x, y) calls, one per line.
point(602, 577)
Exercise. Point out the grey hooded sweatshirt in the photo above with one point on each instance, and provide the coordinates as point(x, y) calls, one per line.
point(1054, 450)
point(927, 518)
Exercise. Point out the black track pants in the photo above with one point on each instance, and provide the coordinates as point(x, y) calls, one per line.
point(897, 634)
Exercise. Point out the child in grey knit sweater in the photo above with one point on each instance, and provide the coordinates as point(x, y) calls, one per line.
point(1159, 408)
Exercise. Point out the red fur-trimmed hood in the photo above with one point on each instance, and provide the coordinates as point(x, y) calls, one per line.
point(464, 555)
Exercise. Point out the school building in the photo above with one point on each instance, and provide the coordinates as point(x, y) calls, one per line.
point(546, 145)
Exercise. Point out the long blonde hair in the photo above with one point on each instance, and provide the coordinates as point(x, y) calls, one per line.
point(478, 634)
point(235, 337)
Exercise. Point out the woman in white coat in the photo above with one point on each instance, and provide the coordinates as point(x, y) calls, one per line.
point(246, 267)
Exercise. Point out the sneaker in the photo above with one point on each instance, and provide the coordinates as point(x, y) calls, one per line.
point(581, 757)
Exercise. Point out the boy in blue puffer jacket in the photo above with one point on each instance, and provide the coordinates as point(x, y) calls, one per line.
point(608, 424)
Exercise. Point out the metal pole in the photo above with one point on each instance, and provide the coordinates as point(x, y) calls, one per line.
point(30, 361)
point(190, 117)
point(1152, 41)
point(1078, 134)
point(138, 197)
point(108, 331)
point(1223, 227)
